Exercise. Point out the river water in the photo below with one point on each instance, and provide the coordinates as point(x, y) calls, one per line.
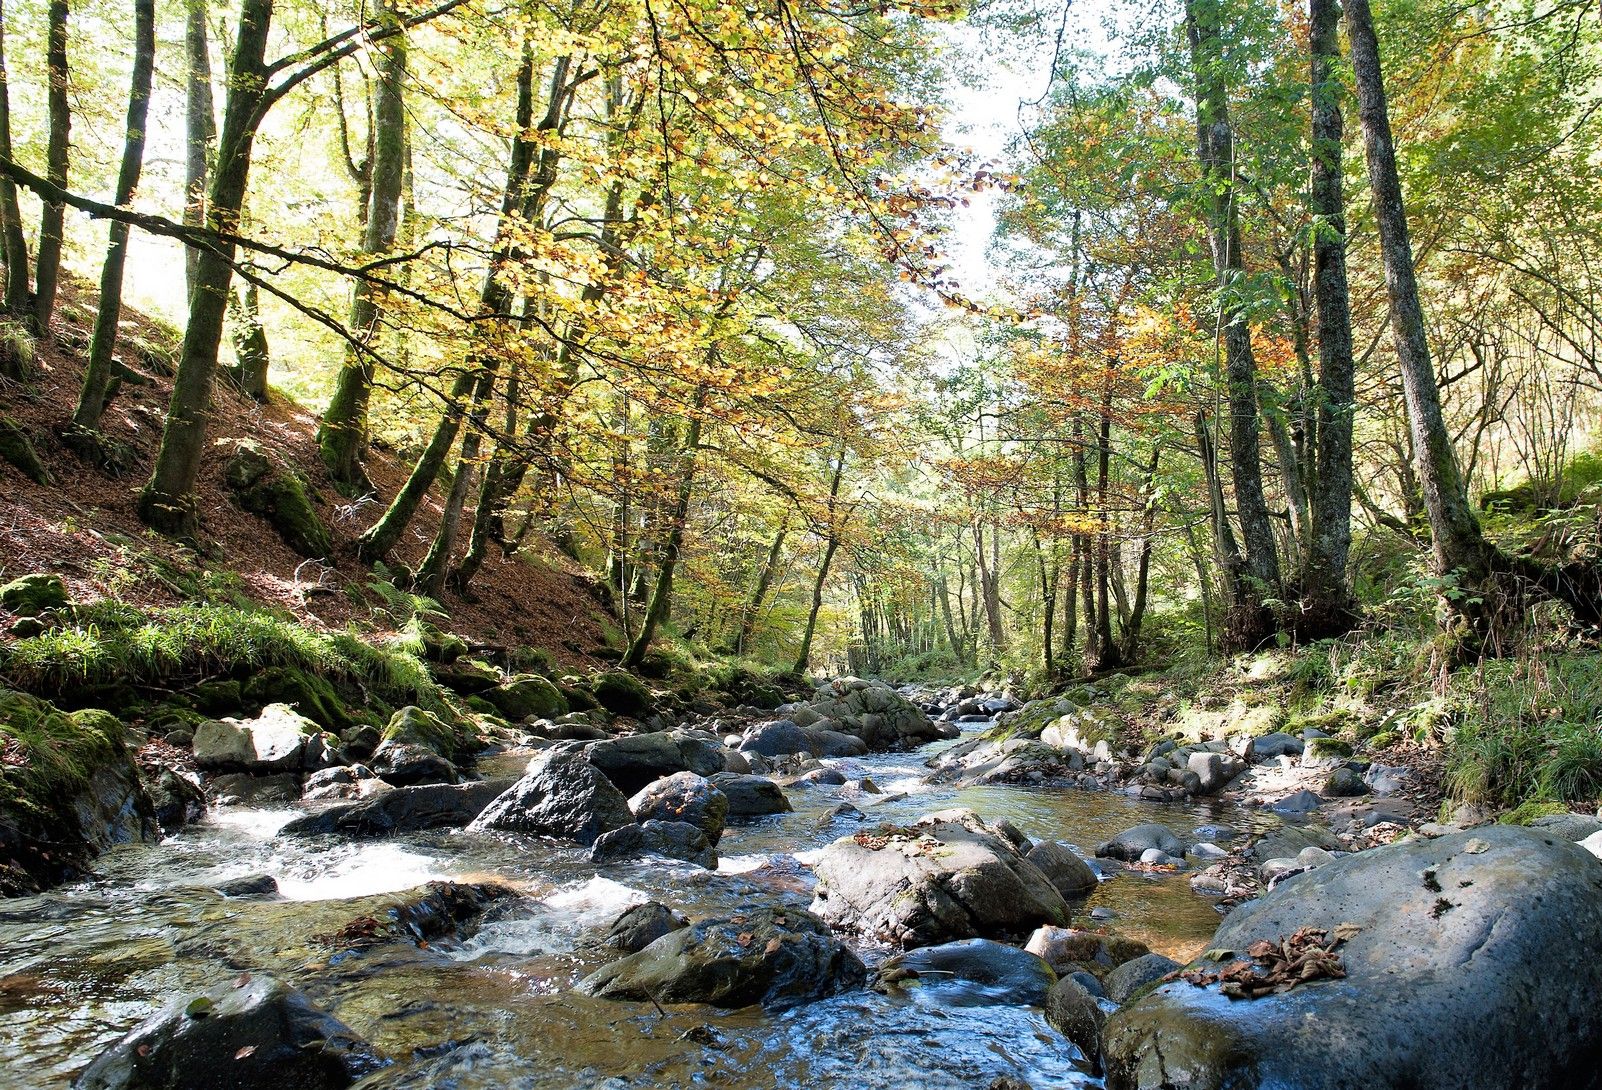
point(83, 964)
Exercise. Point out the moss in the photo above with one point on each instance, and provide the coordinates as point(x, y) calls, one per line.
point(526, 696)
point(1330, 721)
point(281, 497)
point(17, 351)
point(1531, 810)
point(34, 594)
point(621, 693)
point(414, 726)
point(1328, 747)
point(311, 695)
point(48, 753)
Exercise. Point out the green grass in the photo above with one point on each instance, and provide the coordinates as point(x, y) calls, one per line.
point(47, 752)
point(113, 643)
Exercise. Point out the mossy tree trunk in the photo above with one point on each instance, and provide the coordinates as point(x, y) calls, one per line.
point(97, 374)
point(342, 433)
point(13, 241)
point(200, 126)
point(52, 222)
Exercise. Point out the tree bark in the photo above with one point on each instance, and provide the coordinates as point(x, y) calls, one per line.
point(342, 432)
point(13, 241)
point(1328, 608)
point(97, 374)
point(52, 222)
point(200, 124)
point(832, 544)
point(1215, 143)
point(249, 373)
point(759, 592)
point(167, 501)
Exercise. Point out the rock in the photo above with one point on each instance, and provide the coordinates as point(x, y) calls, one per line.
point(1065, 948)
point(469, 677)
point(673, 839)
point(527, 696)
point(1343, 783)
point(412, 726)
point(344, 782)
point(253, 1033)
point(176, 799)
point(69, 789)
point(310, 694)
point(621, 694)
point(1268, 746)
point(1005, 973)
point(685, 797)
point(833, 743)
point(405, 765)
point(874, 712)
point(245, 789)
point(1213, 771)
point(562, 795)
point(402, 810)
point(948, 876)
point(252, 885)
point(1386, 780)
point(1299, 802)
point(751, 796)
point(1133, 975)
point(778, 739)
point(1575, 827)
point(820, 777)
point(280, 496)
point(1325, 748)
point(32, 595)
point(633, 761)
point(777, 957)
point(1075, 1013)
point(1072, 876)
point(1288, 840)
point(1489, 934)
point(274, 741)
point(1131, 844)
point(641, 925)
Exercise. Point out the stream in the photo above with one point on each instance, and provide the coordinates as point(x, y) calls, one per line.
point(83, 964)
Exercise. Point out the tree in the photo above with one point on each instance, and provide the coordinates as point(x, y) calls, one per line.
point(47, 262)
point(200, 121)
point(13, 243)
point(97, 373)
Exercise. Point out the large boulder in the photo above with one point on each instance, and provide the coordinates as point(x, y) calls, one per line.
point(31, 595)
point(562, 796)
point(1072, 876)
point(874, 712)
point(985, 969)
point(280, 496)
point(274, 741)
point(253, 1033)
point(403, 764)
point(670, 839)
point(1469, 960)
point(948, 876)
point(751, 796)
point(402, 810)
point(778, 957)
point(685, 797)
point(621, 694)
point(635, 760)
point(780, 738)
point(527, 696)
point(69, 789)
point(641, 925)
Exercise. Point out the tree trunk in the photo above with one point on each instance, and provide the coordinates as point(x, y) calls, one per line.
point(47, 267)
point(167, 502)
point(759, 592)
point(13, 241)
point(431, 574)
point(1215, 144)
point(97, 374)
point(1107, 654)
point(342, 433)
point(200, 122)
point(380, 539)
point(250, 345)
point(661, 602)
point(1328, 608)
point(804, 655)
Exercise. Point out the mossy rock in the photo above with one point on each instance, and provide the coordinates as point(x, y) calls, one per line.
point(16, 447)
point(527, 696)
point(312, 696)
point(18, 352)
point(621, 694)
point(1318, 748)
point(579, 699)
point(68, 790)
point(281, 497)
point(466, 676)
point(1331, 721)
point(100, 450)
point(1530, 811)
point(32, 595)
point(415, 726)
point(215, 698)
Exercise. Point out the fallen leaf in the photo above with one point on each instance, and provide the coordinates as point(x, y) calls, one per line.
point(246, 1051)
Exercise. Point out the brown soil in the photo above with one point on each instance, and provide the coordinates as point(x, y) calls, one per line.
point(83, 524)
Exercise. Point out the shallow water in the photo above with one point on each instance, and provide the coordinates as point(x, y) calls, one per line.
point(83, 964)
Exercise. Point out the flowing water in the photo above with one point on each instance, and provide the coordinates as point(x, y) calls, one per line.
point(82, 965)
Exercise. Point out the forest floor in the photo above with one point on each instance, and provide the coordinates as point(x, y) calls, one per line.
point(83, 525)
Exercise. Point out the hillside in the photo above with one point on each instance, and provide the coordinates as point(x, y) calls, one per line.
point(82, 524)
